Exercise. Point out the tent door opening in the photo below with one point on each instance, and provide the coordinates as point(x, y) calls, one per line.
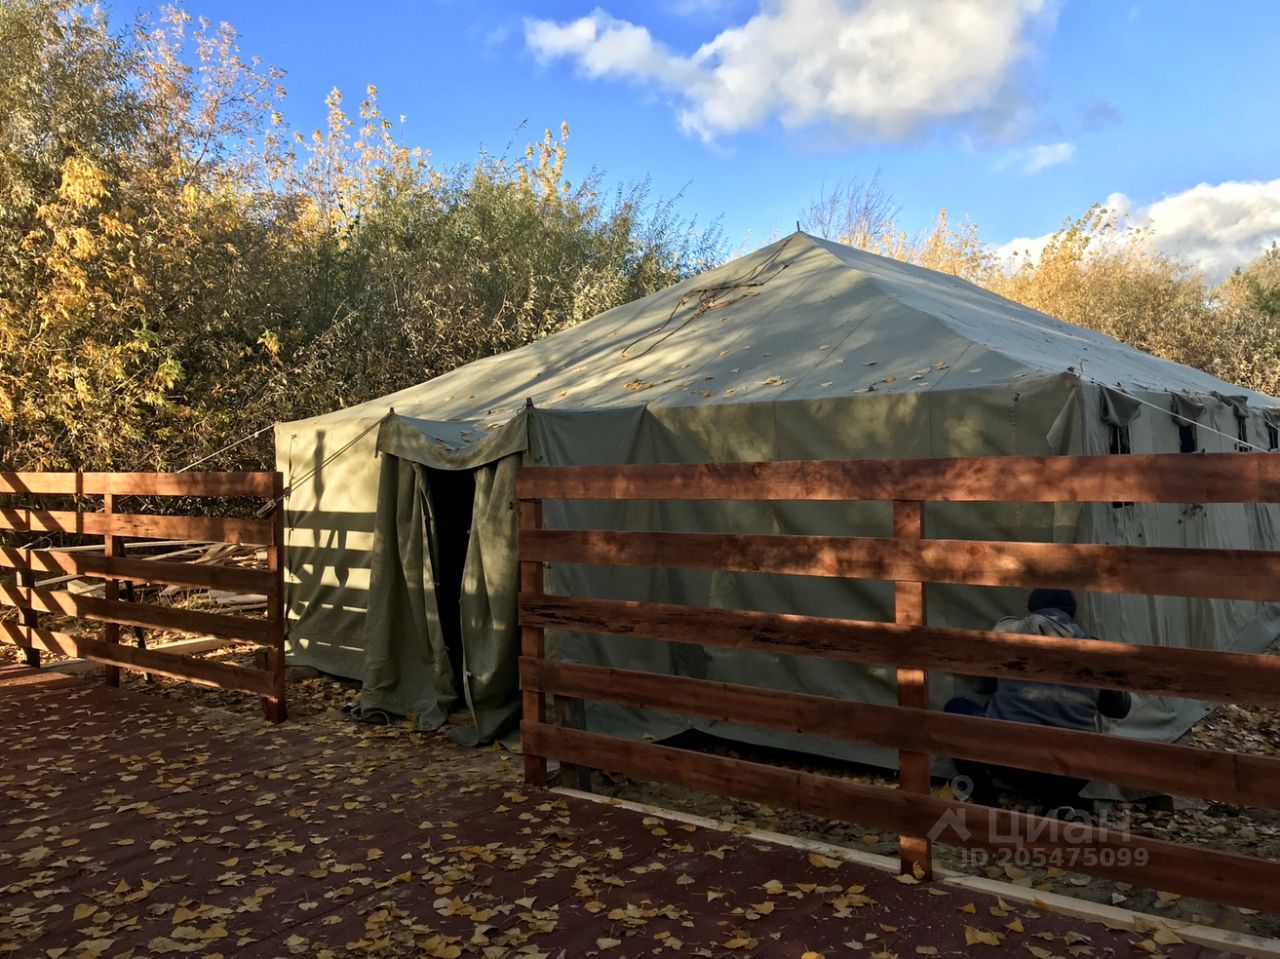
point(453, 494)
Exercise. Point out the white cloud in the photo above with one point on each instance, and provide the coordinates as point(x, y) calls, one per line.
point(1215, 227)
point(1045, 155)
point(1219, 227)
point(1039, 157)
point(881, 68)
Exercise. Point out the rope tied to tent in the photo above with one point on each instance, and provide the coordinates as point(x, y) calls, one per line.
point(1236, 440)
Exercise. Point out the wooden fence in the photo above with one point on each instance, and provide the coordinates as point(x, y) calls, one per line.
point(108, 562)
point(913, 647)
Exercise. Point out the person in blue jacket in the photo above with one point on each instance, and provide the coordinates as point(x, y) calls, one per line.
point(1052, 612)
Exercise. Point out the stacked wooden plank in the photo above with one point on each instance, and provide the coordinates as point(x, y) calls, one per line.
point(914, 647)
point(215, 555)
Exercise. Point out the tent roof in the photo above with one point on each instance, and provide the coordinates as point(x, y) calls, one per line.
point(800, 319)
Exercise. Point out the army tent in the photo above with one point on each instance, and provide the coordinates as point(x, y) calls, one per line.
point(402, 519)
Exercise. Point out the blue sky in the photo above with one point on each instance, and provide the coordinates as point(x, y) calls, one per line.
point(1014, 112)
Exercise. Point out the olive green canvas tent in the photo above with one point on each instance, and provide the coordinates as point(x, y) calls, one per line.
point(401, 511)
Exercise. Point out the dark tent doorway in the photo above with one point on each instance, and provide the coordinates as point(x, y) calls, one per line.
point(453, 494)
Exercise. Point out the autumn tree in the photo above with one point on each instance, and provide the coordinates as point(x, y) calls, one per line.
point(179, 268)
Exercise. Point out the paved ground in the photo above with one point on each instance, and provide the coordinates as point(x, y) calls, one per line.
point(131, 826)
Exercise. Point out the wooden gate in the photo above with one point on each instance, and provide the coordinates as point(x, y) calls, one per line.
point(910, 560)
point(49, 549)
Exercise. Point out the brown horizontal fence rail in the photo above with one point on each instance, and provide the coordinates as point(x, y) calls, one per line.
point(60, 560)
point(913, 647)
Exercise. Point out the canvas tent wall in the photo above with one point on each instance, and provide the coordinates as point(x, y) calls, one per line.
point(803, 350)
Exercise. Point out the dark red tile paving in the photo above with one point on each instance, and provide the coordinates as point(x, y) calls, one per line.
point(136, 827)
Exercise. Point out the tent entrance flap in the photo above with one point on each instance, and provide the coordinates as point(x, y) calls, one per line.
point(441, 629)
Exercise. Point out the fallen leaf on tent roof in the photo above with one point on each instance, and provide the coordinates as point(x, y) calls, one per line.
point(774, 888)
point(685, 880)
point(764, 908)
point(884, 928)
point(1015, 926)
point(821, 861)
point(608, 943)
point(906, 880)
point(1146, 945)
point(713, 895)
point(84, 910)
point(812, 955)
point(741, 942)
point(969, 908)
point(973, 937)
point(373, 854)
point(997, 911)
point(1038, 951)
point(927, 950)
point(1167, 937)
point(935, 891)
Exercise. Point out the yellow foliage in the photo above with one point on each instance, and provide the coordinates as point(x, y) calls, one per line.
point(181, 268)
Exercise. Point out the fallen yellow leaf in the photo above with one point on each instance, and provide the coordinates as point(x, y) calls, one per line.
point(973, 937)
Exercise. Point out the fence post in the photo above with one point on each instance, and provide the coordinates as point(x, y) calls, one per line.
point(915, 853)
point(112, 589)
point(533, 643)
point(28, 617)
point(275, 707)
